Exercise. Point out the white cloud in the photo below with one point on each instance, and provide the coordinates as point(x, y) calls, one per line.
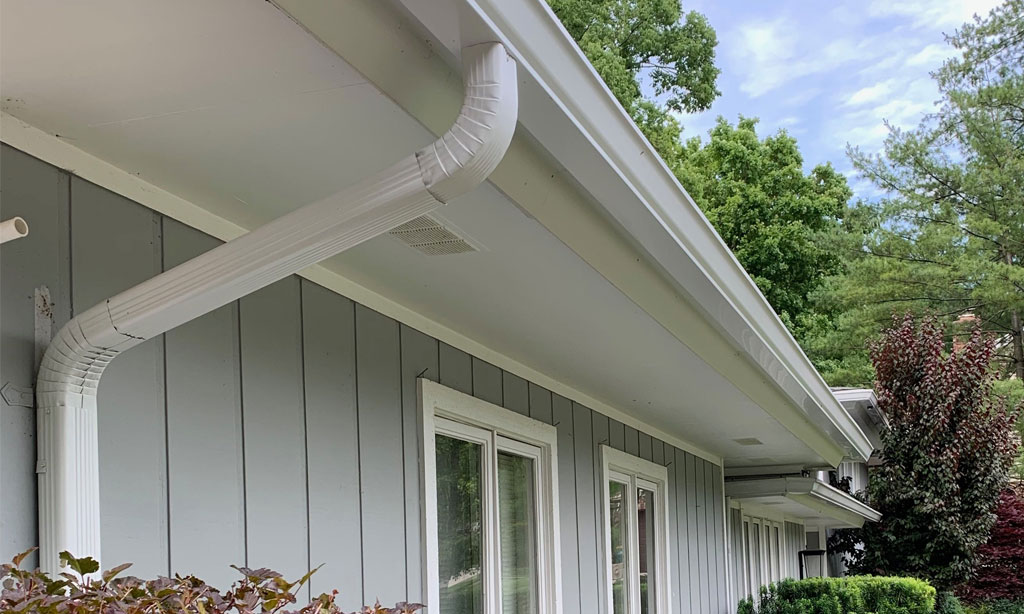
point(801, 97)
point(767, 55)
point(835, 74)
point(930, 55)
point(871, 93)
point(934, 14)
point(866, 128)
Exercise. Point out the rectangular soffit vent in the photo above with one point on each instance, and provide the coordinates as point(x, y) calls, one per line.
point(432, 237)
point(748, 441)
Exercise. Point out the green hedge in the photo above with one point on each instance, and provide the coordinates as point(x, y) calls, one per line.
point(997, 606)
point(850, 595)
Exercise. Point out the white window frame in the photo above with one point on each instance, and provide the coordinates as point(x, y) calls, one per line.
point(778, 550)
point(773, 562)
point(636, 472)
point(453, 413)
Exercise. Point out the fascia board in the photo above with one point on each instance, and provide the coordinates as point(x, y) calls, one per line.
point(838, 498)
point(418, 79)
point(669, 225)
point(809, 492)
point(397, 61)
point(855, 395)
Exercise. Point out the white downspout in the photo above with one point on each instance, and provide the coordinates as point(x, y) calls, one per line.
point(68, 455)
point(14, 228)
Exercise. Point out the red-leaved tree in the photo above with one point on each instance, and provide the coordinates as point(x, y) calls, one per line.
point(946, 454)
point(1000, 570)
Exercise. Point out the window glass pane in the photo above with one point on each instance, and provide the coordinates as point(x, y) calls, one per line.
point(517, 527)
point(646, 523)
point(748, 579)
point(459, 525)
point(756, 561)
point(776, 554)
point(617, 517)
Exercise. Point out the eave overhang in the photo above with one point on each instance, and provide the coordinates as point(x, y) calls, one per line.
point(862, 405)
point(659, 249)
point(809, 499)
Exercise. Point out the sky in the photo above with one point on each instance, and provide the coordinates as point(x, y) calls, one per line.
point(829, 73)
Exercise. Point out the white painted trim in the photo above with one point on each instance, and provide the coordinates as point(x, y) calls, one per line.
point(636, 472)
point(668, 224)
point(814, 494)
point(673, 275)
point(767, 512)
point(449, 411)
point(729, 580)
point(59, 153)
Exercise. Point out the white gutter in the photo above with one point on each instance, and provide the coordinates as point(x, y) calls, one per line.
point(576, 120)
point(824, 500)
point(668, 225)
point(14, 228)
point(68, 461)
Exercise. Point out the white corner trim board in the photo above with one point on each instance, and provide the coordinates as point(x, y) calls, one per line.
point(462, 158)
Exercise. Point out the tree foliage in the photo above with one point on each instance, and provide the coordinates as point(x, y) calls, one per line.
point(636, 42)
point(948, 238)
point(779, 222)
point(947, 452)
point(1001, 560)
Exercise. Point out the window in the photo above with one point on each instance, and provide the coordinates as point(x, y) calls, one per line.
point(764, 554)
point(491, 501)
point(636, 534)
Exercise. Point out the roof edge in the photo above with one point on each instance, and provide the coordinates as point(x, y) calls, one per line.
point(806, 491)
point(530, 29)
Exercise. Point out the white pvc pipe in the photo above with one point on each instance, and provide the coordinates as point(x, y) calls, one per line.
point(14, 228)
point(69, 508)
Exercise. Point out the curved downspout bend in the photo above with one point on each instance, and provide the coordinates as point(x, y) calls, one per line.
point(67, 443)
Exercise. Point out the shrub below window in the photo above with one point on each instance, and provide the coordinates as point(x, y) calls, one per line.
point(82, 589)
point(850, 595)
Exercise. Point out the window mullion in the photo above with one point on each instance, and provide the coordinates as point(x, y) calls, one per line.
point(633, 567)
point(493, 548)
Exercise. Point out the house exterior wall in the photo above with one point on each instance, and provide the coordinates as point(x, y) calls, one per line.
point(281, 430)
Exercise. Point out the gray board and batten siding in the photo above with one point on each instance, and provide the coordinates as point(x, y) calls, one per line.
point(281, 430)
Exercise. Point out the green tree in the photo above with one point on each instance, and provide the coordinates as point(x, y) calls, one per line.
point(782, 224)
point(947, 452)
point(636, 42)
point(949, 236)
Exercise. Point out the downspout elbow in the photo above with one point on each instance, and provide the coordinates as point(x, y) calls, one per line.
point(465, 156)
point(74, 362)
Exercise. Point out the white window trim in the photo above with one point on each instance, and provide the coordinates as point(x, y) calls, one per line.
point(615, 464)
point(445, 410)
point(773, 563)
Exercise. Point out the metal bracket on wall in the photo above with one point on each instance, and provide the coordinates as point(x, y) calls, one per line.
point(17, 396)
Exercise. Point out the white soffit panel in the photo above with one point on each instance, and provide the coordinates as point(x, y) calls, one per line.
point(274, 120)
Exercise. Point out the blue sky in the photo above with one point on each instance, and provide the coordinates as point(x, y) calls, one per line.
point(829, 73)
